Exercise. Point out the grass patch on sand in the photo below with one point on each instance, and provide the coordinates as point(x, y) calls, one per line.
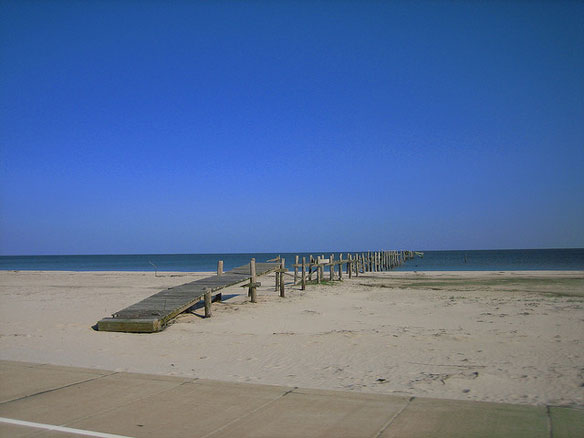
point(573, 287)
point(324, 283)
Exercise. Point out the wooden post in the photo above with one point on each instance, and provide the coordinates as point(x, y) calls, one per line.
point(356, 258)
point(282, 266)
point(349, 265)
point(310, 261)
point(319, 272)
point(340, 266)
point(296, 270)
point(303, 287)
point(332, 267)
point(252, 281)
point(208, 304)
point(220, 267)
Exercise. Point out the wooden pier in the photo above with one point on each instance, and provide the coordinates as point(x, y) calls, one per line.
point(154, 313)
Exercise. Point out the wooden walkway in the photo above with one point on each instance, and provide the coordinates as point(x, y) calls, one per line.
point(154, 313)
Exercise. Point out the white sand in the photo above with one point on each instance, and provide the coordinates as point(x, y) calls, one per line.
point(507, 337)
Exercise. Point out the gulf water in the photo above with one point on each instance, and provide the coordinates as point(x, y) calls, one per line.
point(475, 260)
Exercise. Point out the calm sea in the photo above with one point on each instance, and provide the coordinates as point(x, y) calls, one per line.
point(498, 260)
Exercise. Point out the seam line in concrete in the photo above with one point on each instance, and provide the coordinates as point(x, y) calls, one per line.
point(253, 411)
point(114, 408)
point(549, 421)
point(57, 388)
point(391, 420)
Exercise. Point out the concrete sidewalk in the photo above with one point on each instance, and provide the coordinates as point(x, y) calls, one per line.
point(88, 402)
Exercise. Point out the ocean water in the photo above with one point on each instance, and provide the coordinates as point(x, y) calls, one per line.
point(488, 260)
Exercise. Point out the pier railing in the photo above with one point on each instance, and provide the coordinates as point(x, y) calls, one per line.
point(311, 270)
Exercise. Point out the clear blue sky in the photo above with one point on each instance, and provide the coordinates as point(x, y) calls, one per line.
point(187, 127)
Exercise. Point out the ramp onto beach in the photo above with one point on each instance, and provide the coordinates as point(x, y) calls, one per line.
point(154, 313)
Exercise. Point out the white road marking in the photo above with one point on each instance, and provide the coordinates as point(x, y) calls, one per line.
point(60, 428)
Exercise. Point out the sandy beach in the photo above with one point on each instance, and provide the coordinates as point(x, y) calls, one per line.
point(513, 337)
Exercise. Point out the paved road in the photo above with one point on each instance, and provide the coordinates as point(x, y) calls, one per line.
point(36, 398)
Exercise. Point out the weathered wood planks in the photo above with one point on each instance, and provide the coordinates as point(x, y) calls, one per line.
point(154, 313)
